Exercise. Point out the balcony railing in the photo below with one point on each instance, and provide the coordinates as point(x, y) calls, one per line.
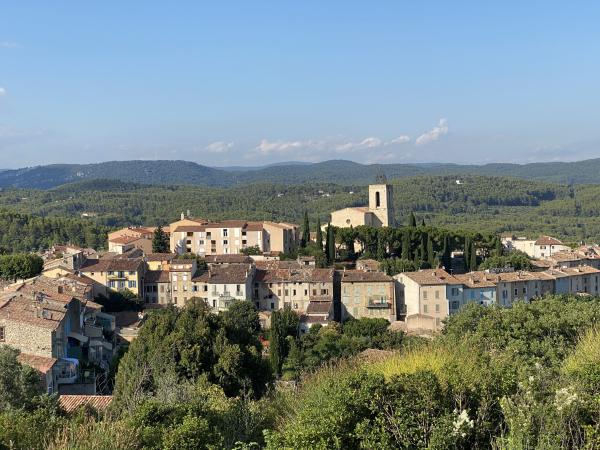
point(379, 302)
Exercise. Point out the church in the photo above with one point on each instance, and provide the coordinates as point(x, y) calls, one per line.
point(379, 213)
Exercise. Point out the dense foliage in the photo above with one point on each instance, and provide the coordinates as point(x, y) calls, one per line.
point(20, 266)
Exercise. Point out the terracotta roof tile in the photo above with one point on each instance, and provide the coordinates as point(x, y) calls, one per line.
point(72, 402)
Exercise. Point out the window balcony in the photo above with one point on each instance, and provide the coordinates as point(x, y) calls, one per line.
point(378, 302)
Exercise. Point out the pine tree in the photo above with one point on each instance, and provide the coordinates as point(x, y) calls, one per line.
point(330, 245)
point(305, 231)
point(412, 220)
point(319, 234)
point(160, 241)
point(473, 257)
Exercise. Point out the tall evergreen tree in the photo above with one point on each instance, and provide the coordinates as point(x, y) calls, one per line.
point(380, 248)
point(330, 245)
point(473, 257)
point(446, 259)
point(423, 222)
point(305, 231)
point(406, 245)
point(160, 241)
point(423, 249)
point(412, 220)
point(466, 250)
point(430, 252)
point(498, 248)
point(319, 234)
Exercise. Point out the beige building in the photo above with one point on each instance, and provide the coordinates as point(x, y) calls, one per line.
point(157, 287)
point(367, 294)
point(114, 274)
point(427, 296)
point(231, 236)
point(542, 247)
point(220, 286)
point(280, 284)
point(379, 213)
point(125, 239)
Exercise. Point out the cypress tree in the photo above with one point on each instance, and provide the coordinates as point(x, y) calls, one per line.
point(430, 253)
point(412, 220)
point(305, 231)
point(446, 259)
point(466, 257)
point(473, 256)
point(423, 222)
point(330, 245)
point(498, 248)
point(276, 342)
point(380, 249)
point(406, 245)
point(319, 234)
point(423, 249)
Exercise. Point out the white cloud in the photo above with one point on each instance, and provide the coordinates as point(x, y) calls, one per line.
point(434, 134)
point(219, 147)
point(267, 147)
point(370, 142)
point(399, 140)
point(2, 91)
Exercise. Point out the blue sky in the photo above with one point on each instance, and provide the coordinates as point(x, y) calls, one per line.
point(248, 83)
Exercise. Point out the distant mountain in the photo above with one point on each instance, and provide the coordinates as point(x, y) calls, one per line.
point(335, 171)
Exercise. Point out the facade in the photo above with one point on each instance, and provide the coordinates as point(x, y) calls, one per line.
point(220, 286)
point(114, 274)
point(157, 287)
point(280, 284)
point(231, 236)
point(379, 213)
point(542, 247)
point(367, 294)
point(128, 238)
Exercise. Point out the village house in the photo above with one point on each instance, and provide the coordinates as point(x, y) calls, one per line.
point(542, 247)
point(367, 294)
point(114, 274)
point(220, 286)
point(280, 284)
point(128, 238)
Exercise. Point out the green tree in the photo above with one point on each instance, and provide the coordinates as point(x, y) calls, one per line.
point(305, 231)
point(330, 245)
point(19, 384)
point(446, 258)
point(319, 234)
point(412, 220)
point(160, 241)
point(252, 250)
point(472, 257)
point(406, 253)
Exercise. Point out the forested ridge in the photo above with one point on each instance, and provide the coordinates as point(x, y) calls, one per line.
point(472, 203)
point(334, 171)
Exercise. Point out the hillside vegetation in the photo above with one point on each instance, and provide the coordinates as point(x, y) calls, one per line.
point(477, 204)
point(337, 171)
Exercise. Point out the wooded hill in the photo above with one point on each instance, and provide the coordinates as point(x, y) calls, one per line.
point(335, 171)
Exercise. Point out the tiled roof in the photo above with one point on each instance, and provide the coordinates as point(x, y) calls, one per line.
point(360, 276)
point(113, 264)
point(318, 307)
point(40, 363)
point(160, 256)
point(277, 264)
point(298, 273)
point(431, 277)
point(234, 274)
point(190, 228)
point(71, 402)
point(24, 309)
point(547, 240)
point(228, 259)
point(476, 279)
point(125, 239)
point(157, 276)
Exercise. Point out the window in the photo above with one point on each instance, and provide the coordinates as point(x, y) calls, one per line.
point(424, 295)
point(377, 200)
point(437, 295)
point(294, 293)
point(112, 284)
point(225, 242)
point(272, 305)
point(132, 272)
point(132, 284)
point(224, 231)
point(425, 309)
point(516, 291)
point(454, 305)
point(2, 334)
point(437, 308)
point(188, 242)
point(190, 233)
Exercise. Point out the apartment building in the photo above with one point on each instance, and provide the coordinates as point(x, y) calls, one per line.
point(582, 279)
point(231, 236)
point(367, 294)
point(521, 286)
point(159, 261)
point(280, 284)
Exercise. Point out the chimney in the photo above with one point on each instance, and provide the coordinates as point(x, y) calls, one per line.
point(182, 215)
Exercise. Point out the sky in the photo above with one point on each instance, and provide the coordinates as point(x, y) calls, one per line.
point(240, 83)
